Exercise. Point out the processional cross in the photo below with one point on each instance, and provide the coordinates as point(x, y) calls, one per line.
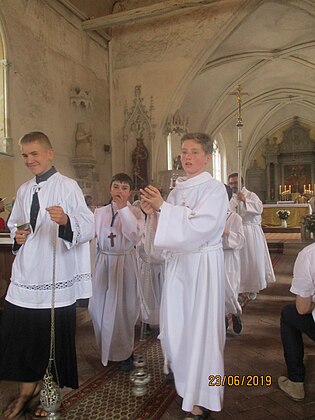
point(111, 237)
point(239, 92)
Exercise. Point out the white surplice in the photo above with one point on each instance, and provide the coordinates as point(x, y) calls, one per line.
point(256, 266)
point(232, 243)
point(192, 327)
point(115, 303)
point(32, 269)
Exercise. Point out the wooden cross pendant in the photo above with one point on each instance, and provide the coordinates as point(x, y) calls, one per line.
point(111, 237)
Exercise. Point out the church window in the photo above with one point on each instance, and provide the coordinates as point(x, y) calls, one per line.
point(216, 161)
point(4, 138)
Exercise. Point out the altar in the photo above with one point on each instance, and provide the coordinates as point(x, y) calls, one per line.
point(270, 218)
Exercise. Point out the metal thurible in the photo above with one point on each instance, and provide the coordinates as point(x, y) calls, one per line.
point(140, 377)
point(50, 397)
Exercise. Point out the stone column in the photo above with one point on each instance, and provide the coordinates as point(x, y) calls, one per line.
point(276, 186)
point(268, 182)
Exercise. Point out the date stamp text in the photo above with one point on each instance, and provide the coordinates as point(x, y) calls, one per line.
point(240, 380)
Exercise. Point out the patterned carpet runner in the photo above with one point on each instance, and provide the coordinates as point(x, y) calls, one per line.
point(108, 395)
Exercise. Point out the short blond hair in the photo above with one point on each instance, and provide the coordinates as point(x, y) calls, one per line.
point(36, 136)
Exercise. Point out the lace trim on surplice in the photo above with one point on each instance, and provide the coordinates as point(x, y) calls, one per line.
point(61, 285)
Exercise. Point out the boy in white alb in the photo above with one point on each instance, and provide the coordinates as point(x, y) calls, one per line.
point(256, 266)
point(298, 318)
point(115, 303)
point(189, 230)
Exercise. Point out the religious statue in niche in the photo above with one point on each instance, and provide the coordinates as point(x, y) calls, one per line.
point(140, 157)
point(83, 142)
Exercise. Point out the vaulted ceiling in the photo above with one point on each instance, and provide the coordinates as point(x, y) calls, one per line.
point(269, 47)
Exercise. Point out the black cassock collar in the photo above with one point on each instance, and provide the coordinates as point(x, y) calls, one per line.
point(46, 175)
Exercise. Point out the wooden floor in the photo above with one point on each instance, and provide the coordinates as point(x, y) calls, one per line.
point(257, 352)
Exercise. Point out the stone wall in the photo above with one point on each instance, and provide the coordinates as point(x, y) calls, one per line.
point(49, 56)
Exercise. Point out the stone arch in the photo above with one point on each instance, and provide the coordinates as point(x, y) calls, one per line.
point(213, 124)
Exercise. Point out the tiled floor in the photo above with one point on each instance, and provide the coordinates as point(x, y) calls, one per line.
point(257, 352)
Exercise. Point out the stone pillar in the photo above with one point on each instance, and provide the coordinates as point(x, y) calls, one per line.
point(268, 182)
point(276, 186)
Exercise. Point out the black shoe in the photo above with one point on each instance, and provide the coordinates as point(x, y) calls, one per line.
point(127, 365)
point(205, 415)
point(169, 377)
point(237, 324)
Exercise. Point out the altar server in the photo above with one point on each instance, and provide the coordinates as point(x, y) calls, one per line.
point(189, 229)
point(57, 241)
point(115, 303)
point(256, 266)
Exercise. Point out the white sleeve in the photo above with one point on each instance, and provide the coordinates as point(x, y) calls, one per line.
point(302, 283)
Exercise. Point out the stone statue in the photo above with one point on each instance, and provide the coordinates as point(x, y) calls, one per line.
point(83, 142)
point(177, 164)
point(140, 161)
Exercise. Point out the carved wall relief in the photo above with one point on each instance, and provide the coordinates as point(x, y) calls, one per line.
point(84, 161)
point(80, 97)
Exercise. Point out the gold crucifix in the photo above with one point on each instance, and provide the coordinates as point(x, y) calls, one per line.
point(239, 92)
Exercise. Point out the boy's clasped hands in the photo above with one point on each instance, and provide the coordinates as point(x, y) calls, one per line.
point(151, 199)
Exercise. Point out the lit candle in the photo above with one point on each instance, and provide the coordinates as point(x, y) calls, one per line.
point(309, 186)
point(290, 189)
point(280, 189)
point(304, 188)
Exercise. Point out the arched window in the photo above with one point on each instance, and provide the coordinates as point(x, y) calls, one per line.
point(216, 161)
point(5, 143)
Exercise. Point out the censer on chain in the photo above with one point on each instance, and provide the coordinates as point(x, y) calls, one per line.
point(140, 377)
point(50, 397)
